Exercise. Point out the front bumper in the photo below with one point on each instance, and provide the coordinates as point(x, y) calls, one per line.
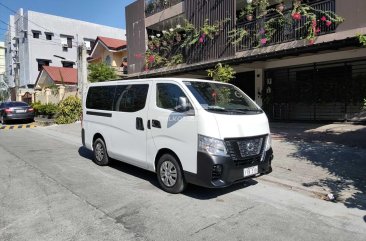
point(231, 173)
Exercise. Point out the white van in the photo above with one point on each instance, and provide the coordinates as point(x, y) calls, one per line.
point(186, 130)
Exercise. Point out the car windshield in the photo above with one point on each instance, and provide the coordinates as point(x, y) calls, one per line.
point(17, 104)
point(225, 98)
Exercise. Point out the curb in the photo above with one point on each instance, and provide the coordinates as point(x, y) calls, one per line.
point(294, 186)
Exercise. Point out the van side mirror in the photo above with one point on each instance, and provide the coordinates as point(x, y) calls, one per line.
point(183, 105)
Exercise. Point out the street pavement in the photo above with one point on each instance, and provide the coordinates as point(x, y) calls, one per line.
point(51, 190)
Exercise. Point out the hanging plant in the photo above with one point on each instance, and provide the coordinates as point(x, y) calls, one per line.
point(312, 23)
point(237, 35)
point(175, 60)
point(361, 39)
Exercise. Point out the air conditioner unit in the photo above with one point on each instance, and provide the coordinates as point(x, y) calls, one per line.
point(65, 45)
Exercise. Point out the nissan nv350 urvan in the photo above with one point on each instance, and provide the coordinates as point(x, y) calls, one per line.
point(186, 130)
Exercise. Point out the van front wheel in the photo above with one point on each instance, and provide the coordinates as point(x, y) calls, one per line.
point(100, 152)
point(170, 174)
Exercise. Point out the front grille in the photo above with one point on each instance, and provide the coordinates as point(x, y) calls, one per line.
point(244, 151)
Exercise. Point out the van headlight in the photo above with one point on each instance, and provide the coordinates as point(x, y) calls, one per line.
point(268, 142)
point(211, 146)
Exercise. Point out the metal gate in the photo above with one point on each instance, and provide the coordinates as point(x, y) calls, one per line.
point(318, 92)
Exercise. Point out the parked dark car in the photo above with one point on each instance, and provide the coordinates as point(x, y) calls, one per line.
point(15, 110)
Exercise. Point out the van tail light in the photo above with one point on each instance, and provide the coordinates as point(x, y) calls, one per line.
point(8, 111)
point(30, 110)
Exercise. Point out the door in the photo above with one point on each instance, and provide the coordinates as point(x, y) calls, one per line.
point(169, 128)
point(246, 82)
point(129, 121)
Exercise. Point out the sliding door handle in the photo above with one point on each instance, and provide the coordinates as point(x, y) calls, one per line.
point(139, 124)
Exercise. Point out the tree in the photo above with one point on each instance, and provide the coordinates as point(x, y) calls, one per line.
point(101, 72)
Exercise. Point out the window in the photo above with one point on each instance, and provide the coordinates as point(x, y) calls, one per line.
point(69, 42)
point(48, 36)
point(36, 34)
point(130, 98)
point(167, 96)
point(43, 62)
point(108, 60)
point(100, 97)
point(67, 64)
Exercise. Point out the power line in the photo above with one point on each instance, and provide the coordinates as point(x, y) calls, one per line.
point(26, 32)
point(13, 11)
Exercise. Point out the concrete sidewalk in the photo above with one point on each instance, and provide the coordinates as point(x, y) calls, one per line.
point(321, 159)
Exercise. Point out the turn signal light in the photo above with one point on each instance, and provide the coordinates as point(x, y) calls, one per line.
point(8, 111)
point(30, 110)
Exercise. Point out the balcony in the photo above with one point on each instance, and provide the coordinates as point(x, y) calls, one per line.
point(155, 6)
point(286, 32)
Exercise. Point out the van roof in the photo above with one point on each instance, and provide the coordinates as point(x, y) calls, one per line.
point(151, 79)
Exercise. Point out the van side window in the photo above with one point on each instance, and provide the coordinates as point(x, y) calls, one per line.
point(130, 98)
point(167, 95)
point(100, 97)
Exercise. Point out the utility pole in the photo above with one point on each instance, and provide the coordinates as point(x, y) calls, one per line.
point(82, 70)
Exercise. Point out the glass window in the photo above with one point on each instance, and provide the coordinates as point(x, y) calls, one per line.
point(221, 98)
point(100, 97)
point(17, 104)
point(48, 36)
point(35, 34)
point(167, 96)
point(130, 98)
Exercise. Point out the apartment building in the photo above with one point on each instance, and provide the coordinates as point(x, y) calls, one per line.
point(2, 61)
point(307, 66)
point(36, 39)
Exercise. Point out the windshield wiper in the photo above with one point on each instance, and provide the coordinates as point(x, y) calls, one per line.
point(247, 110)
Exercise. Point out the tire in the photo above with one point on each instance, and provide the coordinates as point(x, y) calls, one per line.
point(170, 174)
point(100, 152)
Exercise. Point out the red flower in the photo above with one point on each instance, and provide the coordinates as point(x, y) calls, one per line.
point(328, 23)
point(311, 41)
point(296, 16)
point(318, 30)
point(323, 19)
point(201, 40)
point(151, 58)
point(263, 41)
point(314, 23)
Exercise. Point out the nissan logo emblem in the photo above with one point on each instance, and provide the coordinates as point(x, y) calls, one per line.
point(250, 146)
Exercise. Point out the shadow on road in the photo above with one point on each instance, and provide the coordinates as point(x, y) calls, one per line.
point(364, 218)
point(192, 191)
point(342, 154)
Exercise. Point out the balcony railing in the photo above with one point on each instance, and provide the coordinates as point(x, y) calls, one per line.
point(154, 6)
point(285, 32)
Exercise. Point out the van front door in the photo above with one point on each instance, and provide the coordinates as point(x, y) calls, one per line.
point(170, 127)
point(129, 122)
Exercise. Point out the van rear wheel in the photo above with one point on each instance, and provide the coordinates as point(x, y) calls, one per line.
point(100, 152)
point(170, 174)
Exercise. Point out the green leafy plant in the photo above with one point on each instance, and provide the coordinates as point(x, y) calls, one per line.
point(49, 109)
point(101, 72)
point(362, 39)
point(175, 60)
point(69, 111)
point(222, 73)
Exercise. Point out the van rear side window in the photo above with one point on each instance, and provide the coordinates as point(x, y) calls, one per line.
point(100, 97)
point(130, 98)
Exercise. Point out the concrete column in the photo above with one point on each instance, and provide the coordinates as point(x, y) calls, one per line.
point(33, 97)
point(259, 78)
point(61, 92)
point(19, 96)
point(48, 93)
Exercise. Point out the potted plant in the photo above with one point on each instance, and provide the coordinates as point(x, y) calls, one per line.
point(280, 6)
point(262, 7)
point(249, 9)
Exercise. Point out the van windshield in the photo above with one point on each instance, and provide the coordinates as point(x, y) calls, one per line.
point(222, 98)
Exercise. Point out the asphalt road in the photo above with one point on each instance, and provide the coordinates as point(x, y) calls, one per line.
point(51, 190)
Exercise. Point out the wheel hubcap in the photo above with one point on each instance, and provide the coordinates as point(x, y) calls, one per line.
point(168, 173)
point(99, 152)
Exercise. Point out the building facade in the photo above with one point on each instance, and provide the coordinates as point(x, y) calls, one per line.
point(297, 69)
point(112, 52)
point(36, 39)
